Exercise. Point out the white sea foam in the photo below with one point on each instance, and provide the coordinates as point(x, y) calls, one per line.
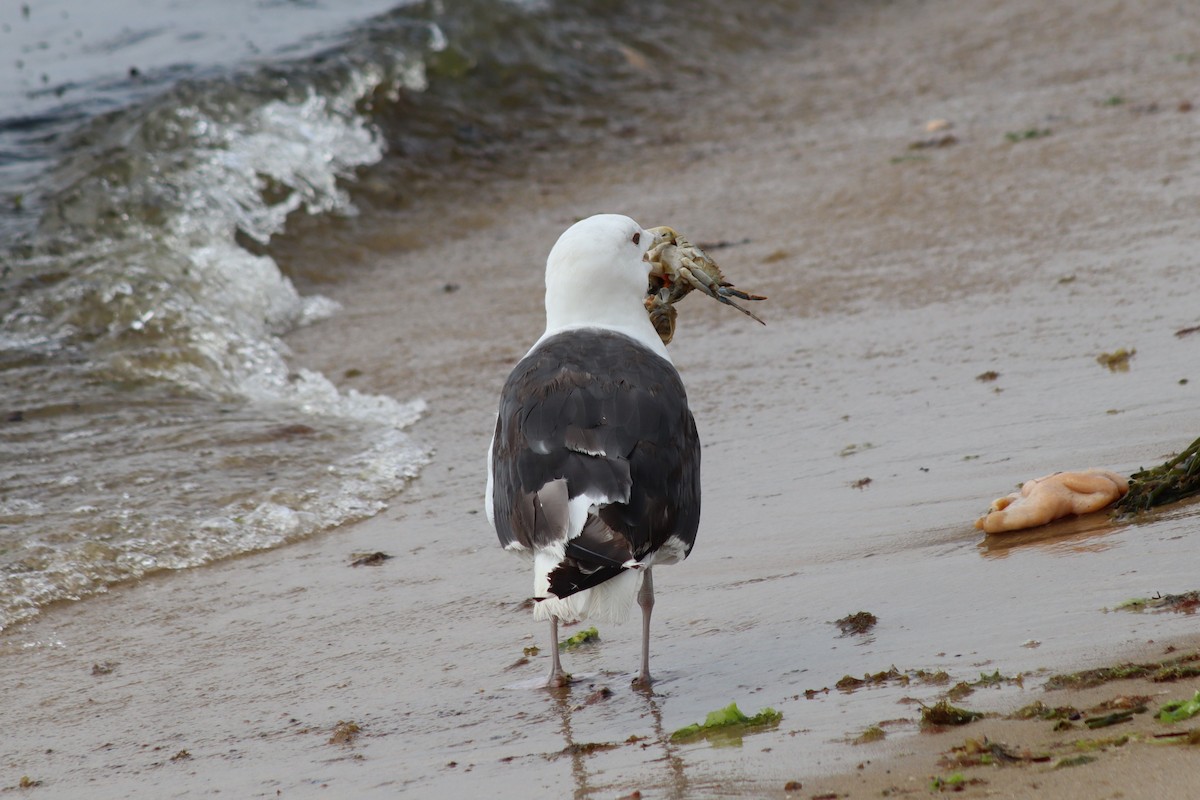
point(257, 453)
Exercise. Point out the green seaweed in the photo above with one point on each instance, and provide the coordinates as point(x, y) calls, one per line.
point(728, 719)
point(1162, 672)
point(871, 734)
point(1115, 718)
point(1187, 738)
point(1179, 710)
point(942, 713)
point(589, 635)
point(952, 782)
point(1091, 745)
point(1175, 479)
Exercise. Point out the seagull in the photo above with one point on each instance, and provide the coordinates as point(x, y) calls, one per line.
point(594, 468)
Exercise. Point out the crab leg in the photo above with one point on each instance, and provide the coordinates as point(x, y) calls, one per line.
point(696, 276)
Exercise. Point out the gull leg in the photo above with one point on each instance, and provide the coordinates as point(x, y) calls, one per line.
point(557, 677)
point(645, 599)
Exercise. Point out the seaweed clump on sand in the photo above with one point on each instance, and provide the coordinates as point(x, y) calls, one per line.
point(728, 723)
point(1179, 710)
point(857, 624)
point(942, 714)
point(583, 637)
point(1184, 666)
point(1174, 480)
point(1185, 603)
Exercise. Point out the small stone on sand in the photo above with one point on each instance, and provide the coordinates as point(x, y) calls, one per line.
point(1052, 497)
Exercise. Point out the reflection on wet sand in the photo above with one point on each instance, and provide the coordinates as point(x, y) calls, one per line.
point(1082, 534)
point(673, 780)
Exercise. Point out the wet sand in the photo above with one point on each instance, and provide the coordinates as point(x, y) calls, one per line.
point(897, 277)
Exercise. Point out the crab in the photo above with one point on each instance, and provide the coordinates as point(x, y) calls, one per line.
point(678, 267)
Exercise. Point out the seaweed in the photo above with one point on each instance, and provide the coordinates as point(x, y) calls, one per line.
point(963, 689)
point(939, 678)
point(1091, 745)
point(1040, 710)
point(953, 783)
point(859, 622)
point(345, 733)
point(871, 734)
point(584, 749)
point(938, 783)
point(848, 683)
point(1116, 361)
point(1133, 604)
point(1179, 710)
point(584, 636)
point(1162, 672)
point(369, 559)
point(1185, 603)
point(729, 720)
point(1175, 479)
point(985, 752)
point(1126, 701)
point(1189, 737)
point(995, 679)
point(942, 713)
point(1114, 718)
point(960, 690)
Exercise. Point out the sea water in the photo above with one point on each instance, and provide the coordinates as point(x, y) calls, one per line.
point(150, 154)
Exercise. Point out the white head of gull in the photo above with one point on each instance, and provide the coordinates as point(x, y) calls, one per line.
point(594, 468)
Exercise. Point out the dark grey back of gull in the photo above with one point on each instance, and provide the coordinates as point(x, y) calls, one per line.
point(595, 412)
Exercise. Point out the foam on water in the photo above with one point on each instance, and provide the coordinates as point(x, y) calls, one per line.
point(154, 420)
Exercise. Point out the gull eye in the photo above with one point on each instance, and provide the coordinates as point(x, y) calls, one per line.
point(637, 237)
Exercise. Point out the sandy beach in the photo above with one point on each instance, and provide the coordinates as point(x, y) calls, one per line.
point(938, 299)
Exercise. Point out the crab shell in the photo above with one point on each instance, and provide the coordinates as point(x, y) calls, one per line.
point(662, 314)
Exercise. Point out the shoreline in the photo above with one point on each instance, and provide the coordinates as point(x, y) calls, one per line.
point(896, 276)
